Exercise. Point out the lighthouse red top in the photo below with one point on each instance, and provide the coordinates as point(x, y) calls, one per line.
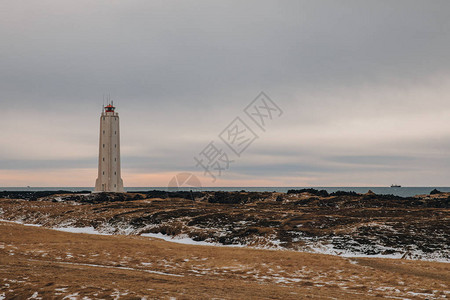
point(110, 108)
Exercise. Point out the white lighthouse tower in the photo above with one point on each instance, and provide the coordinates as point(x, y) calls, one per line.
point(109, 179)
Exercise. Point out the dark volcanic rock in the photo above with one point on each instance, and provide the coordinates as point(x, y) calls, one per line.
point(435, 191)
point(321, 193)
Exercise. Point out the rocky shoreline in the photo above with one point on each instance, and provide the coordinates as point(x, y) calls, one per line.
point(340, 223)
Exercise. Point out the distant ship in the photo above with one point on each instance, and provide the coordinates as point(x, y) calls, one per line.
point(395, 185)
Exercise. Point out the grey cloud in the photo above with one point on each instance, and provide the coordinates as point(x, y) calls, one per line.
point(43, 164)
point(146, 51)
point(373, 159)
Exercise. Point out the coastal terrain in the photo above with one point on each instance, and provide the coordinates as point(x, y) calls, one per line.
point(225, 245)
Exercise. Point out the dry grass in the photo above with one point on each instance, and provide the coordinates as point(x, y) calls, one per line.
point(56, 264)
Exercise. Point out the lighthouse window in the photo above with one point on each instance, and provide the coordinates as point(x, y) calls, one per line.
point(114, 173)
point(103, 145)
point(115, 132)
point(103, 118)
point(114, 185)
point(103, 159)
point(103, 172)
point(115, 159)
point(103, 132)
point(115, 145)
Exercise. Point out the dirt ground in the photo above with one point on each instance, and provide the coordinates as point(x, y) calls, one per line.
point(40, 263)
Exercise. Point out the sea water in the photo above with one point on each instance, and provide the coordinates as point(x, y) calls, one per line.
point(402, 191)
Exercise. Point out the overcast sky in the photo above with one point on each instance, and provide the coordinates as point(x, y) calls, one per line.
point(364, 87)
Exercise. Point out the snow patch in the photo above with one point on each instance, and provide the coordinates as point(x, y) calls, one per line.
point(35, 296)
point(88, 230)
point(21, 223)
point(184, 239)
point(73, 296)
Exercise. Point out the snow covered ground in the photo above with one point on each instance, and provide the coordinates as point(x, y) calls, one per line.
point(88, 230)
point(184, 239)
point(312, 246)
